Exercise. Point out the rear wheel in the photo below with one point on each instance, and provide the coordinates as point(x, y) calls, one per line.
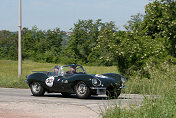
point(37, 89)
point(81, 90)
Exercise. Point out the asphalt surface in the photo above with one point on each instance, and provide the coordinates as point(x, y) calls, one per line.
point(19, 103)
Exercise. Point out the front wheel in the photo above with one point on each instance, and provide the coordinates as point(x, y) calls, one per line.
point(37, 89)
point(81, 90)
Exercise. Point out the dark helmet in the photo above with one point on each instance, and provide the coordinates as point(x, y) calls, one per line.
point(73, 66)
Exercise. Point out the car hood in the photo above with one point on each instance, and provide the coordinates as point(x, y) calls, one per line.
point(105, 79)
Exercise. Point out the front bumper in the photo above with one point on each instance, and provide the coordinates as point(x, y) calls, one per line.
point(99, 90)
point(102, 90)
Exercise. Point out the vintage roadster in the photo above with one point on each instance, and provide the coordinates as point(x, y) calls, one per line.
point(73, 79)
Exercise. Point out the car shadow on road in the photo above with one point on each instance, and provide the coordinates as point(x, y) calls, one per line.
point(93, 97)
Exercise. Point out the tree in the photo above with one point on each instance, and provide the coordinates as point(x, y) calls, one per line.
point(160, 21)
point(44, 46)
point(103, 52)
point(84, 38)
point(134, 24)
point(8, 45)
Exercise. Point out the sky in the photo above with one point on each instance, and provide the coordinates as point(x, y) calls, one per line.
point(63, 14)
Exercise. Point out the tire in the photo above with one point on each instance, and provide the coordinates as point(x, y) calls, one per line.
point(113, 94)
point(37, 89)
point(66, 95)
point(81, 90)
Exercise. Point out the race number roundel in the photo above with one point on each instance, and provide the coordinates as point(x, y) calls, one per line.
point(49, 81)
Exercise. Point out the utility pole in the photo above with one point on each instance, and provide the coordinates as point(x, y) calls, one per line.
point(19, 44)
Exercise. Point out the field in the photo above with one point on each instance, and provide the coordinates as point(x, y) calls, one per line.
point(9, 71)
point(162, 86)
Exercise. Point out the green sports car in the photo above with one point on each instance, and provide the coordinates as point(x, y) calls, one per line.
point(73, 79)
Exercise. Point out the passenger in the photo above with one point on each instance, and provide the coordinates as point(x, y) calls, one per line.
point(56, 70)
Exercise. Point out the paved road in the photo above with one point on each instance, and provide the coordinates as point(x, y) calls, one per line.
point(20, 103)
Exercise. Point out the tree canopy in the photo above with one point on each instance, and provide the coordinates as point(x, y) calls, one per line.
point(149, 38)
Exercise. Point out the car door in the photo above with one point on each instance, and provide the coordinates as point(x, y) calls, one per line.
point(58, 84)
point(54, 82)
point(62, 84)
point(67, 82)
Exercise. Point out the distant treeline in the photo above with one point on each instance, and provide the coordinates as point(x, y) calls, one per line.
point(148, 39)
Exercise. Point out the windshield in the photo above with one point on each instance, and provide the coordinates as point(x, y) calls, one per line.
point(72, 69)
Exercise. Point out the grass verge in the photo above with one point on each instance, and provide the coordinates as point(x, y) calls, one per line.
point(161, 84)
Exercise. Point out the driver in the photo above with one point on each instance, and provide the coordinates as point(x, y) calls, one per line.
point(73, 70)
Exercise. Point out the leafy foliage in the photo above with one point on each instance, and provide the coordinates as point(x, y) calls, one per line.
point(83, 39)
point(8, 45)
point(160, 21)
point(148, 38)
point(37, 45)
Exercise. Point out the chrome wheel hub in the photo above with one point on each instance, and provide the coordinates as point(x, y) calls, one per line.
point(82, 89)
point(36, 87)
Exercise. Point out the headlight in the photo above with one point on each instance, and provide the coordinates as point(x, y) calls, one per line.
point(96, 82)
point(123, 79)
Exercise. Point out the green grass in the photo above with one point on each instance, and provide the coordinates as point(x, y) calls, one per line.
point(162, 84)
point(9, 71)
point(158, 107)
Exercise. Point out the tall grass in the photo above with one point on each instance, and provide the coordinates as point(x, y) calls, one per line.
point(9, 71)
point(162, 86)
